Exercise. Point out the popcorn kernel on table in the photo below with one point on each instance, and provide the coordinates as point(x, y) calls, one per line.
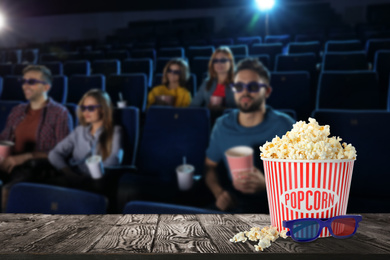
point(307, 142)
point(265, 236)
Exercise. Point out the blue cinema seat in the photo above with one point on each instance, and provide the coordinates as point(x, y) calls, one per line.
point(59, 89)
point(77, 67)
point(353, 60)
point(171, 52)
point(106, 67)
point(142, 65)
point(148, 207)
point(80, 84)
point(343, 46)
point(349, 90)
point(5, 109)
point(367, 130)
point(291, 90)
point(49, 199)
point(132, 86)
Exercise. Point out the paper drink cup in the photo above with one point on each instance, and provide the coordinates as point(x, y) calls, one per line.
point(95, 166)
point(240, 160)
point(122, 104)
point(307, 189)
point(216, 101)
point(5, 149)
point(185, 173)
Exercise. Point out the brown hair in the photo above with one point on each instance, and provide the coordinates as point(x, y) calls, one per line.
point(46, 73)
point(184, 71)
point(105, 139)
point(212, 74)
point(254, 65)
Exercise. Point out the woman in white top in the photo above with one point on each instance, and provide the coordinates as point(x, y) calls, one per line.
point(95, 135)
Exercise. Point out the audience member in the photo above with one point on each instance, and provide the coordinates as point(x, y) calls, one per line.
point(96, 135)
point(215, 92)
point(252, 124)
point(172, 91)
point(35, 127)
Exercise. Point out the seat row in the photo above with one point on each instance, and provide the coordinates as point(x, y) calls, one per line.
point(243, 49)
point(354, 60)
point(282, 38)
point(171, 133)
point(40, 198)
point(291, 90)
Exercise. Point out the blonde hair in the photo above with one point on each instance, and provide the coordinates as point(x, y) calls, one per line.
point(212, 74)
point(184, 71)
point(105, 139)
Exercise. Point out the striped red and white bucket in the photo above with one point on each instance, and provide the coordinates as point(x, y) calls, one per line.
point(307, 189)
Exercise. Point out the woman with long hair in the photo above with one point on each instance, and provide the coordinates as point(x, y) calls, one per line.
point(95, 135)
point(172, 91)
point(215, 91)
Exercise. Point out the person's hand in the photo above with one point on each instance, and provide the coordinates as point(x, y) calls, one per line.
point(215, 107)
point(249, 182)
point(225, 201)
point(160, 102)
point(10, 162)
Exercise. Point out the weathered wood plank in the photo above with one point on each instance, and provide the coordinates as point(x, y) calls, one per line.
point(138, 219)
point(17, 225)
point(220, 219)
point(13, 222)
point(37, 227)
point(177, 217)
point(181, 234)
point(27, 236)
point(73, 235)
point(131, 234)
point(359, 242)
point(221, 228)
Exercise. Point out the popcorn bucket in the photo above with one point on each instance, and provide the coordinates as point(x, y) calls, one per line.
point(307, 189)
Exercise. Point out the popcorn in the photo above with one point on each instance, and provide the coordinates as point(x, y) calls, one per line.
point(307, 142)
point(254, 234)
point(263, 244)
point(283, 234)
point(239, 237)
point(265, 236)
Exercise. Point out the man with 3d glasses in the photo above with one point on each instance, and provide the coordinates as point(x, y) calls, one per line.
point(252, 124)
point(34, 127)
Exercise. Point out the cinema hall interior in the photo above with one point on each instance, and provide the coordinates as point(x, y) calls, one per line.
point(194, 107)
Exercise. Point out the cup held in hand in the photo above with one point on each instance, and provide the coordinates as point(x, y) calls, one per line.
point(185, 173)
point(122, 104)
point(95, 166)
point(5, 149)
point(165, 100)
point(240, 160)
point(216, 101)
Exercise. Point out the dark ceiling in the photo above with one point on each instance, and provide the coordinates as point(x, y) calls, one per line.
point(25, 8)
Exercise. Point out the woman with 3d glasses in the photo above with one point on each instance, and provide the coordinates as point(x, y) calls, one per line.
point(215, 92)
point(95, 135)
point(172, 91)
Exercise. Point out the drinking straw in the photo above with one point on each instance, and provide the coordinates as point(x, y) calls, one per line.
point(184, 160)
point(120, 96)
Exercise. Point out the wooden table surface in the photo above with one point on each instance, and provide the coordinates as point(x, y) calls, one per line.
point(36, 236)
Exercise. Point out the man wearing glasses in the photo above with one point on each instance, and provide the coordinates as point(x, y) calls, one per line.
point(252, 124)
point(37, 126)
